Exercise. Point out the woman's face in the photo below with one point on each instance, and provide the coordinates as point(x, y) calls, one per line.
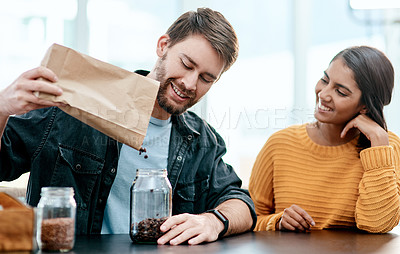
point(338, 95)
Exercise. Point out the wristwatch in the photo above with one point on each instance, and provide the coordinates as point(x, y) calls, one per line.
point(222, 218)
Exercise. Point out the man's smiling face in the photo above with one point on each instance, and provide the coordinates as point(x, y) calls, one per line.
point(186, 72)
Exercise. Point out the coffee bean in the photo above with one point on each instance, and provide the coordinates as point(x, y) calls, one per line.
point(148, 230)
point(143, 150)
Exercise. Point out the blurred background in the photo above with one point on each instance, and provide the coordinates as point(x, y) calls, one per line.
point(284, 48)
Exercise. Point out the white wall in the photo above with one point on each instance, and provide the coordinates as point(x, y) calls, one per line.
point(284, 47)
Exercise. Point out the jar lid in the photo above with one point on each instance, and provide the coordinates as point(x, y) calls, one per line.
point(57, 191)
point(151, 171)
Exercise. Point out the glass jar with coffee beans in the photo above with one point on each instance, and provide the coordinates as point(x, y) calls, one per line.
point(150, 205)
point(56, 219)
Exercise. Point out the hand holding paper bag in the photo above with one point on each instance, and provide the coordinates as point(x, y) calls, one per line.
point(112, 100)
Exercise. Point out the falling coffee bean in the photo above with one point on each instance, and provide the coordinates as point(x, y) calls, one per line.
point(143, 150)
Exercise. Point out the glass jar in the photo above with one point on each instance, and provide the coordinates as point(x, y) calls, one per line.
point(56, 219)
point(151, 204)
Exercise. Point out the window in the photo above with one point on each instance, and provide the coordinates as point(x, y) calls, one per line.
point(284, 47)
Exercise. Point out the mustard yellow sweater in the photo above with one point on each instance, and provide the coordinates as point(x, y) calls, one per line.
point(336, 186)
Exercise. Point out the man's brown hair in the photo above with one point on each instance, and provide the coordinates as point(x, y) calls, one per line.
point(213, 26)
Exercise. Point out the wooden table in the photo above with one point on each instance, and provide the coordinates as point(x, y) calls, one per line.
point(325, 241)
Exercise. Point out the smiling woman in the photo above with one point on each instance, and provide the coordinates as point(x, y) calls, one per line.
point(338, 96)
point(324, 174)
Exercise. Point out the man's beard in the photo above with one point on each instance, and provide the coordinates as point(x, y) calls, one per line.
point(162, 91)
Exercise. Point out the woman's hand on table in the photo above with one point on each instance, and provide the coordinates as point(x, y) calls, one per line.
point(295, 218)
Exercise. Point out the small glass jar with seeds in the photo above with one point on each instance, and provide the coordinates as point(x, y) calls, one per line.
point(56, 212)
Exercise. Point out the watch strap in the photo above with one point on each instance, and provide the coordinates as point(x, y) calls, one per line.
point(222, 218)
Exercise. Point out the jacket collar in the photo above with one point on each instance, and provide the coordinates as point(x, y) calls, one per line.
point(185, 124)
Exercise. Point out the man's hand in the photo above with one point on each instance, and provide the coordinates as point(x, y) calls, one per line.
point(18, 98)
point(295, 218)
point(192, 228)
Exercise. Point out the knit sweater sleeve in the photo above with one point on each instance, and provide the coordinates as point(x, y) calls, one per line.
point(378, 204)
point(261, 188)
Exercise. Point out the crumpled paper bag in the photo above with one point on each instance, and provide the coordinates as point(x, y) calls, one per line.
point(112, 100)
point(16, 224)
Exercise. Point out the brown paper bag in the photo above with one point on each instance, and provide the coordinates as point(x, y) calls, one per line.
point(16, 225)
point(112, 100)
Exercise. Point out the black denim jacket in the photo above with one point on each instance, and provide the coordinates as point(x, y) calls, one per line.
point(59, 150)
